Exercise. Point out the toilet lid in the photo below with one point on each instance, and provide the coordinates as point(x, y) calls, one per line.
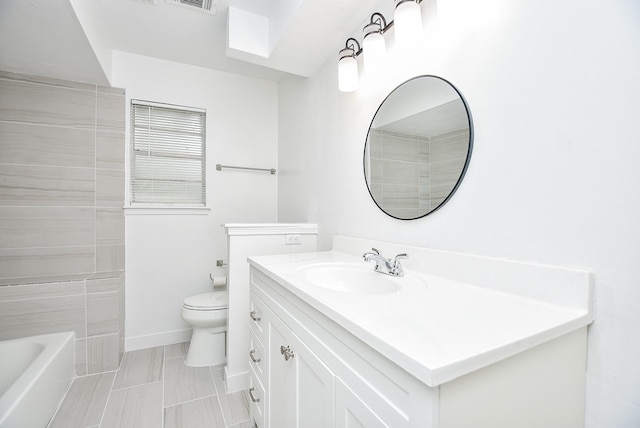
point(211, 301)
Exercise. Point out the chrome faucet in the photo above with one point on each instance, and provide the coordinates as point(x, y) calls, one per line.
point(384, 265)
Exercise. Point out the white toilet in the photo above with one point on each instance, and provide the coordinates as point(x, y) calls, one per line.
point(207, 314)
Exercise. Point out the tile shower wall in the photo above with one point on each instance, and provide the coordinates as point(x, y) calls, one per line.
point(61, 217)
point(410, 175)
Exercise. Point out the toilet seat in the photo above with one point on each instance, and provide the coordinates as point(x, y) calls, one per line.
point(212, 301)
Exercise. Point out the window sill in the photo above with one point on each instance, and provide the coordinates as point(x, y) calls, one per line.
point(165, 210)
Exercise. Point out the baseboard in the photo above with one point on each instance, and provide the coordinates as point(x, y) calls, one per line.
point(157, 339)
point(236, 382)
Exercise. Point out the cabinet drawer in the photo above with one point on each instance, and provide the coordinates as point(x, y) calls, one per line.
point(257, 318)
point(257, 357)
point(256, 399)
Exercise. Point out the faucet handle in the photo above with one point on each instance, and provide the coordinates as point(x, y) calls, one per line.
point(396, 262)
point(396, 268)
point(371, 253)
point(402, 256)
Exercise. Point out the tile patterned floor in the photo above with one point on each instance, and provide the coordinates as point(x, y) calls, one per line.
point(153, 388)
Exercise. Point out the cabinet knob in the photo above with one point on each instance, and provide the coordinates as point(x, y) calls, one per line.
point(252, 355)
point(254, 316)
point(253, 397)
point(287, 352)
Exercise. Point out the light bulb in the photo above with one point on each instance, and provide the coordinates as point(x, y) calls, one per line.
point(348, 74)
point(374, 47)
point(407, 22)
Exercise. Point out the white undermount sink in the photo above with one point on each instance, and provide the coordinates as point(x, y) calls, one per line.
point(353, 278)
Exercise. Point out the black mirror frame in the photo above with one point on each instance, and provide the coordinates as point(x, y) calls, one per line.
point(466, 162)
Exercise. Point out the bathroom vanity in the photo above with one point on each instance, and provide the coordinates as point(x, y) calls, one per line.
point(458, 341)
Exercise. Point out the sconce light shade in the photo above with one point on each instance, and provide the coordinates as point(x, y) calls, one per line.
point(348, 67)
point(407, 22)
point(348, 74)
point(374, 47)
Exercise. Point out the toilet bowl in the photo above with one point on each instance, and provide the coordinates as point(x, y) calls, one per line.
point(207, 314)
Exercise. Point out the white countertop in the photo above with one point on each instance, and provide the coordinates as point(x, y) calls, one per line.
point(438, 331)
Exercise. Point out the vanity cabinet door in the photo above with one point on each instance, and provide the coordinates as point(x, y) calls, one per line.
point(351, 412)
point(300, 385)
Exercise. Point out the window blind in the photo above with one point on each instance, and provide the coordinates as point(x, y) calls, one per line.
point(167, 154)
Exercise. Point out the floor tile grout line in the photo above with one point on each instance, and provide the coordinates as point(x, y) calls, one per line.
point(164, 368)
point(224, 420)
point(215, 394)
point(76, 378)
point(215, 375)
point(189, 401)
point(64, 397)
point(219, 400)
point(175, 358)
point(238, 423)
point(111, 390)
point(137, 385)
point(106, 403)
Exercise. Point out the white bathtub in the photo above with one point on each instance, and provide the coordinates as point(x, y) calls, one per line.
point(35, 373)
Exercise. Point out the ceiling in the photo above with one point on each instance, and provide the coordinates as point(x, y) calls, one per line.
point(268, 39)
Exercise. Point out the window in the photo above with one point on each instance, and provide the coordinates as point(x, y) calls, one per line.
point(167, 154)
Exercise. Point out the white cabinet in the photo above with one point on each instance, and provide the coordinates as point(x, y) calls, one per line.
point(300, 392)
point(291, 386)
point(351, 412)
point(300, 380)
point(309, 371)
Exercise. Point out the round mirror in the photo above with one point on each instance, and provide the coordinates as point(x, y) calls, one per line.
point(418, 147)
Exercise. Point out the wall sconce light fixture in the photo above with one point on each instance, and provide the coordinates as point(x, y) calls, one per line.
point(348, 66)
point(408, 21)
point(373, 43)
point(408, 26)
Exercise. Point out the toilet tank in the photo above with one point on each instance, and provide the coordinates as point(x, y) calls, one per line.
point(247, 240)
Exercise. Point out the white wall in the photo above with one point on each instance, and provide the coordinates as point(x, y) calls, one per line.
point(553, 88)
point(169, 257)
